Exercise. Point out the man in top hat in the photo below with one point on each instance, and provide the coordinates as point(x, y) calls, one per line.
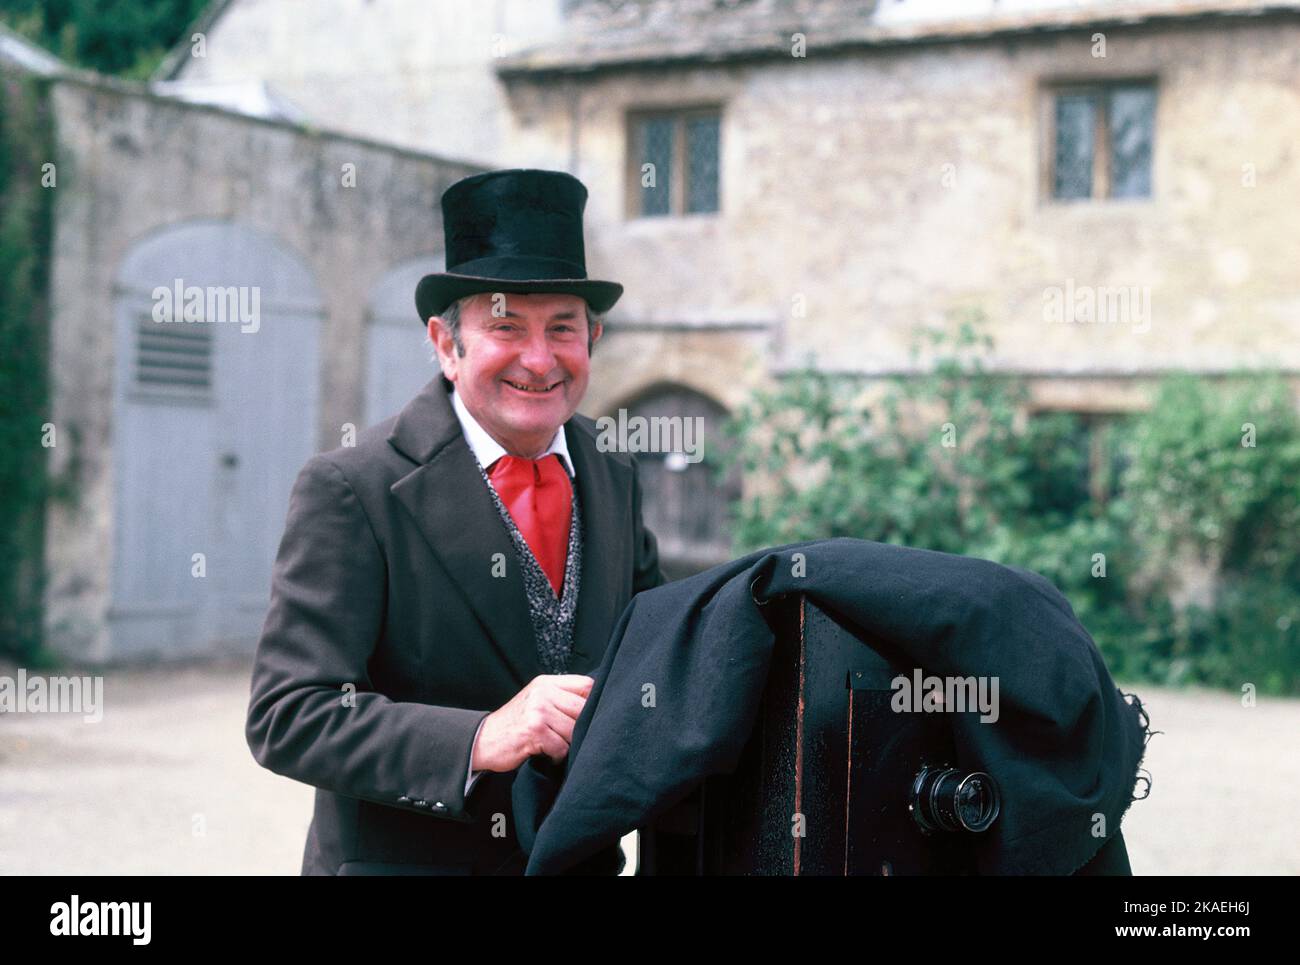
point(443, 587)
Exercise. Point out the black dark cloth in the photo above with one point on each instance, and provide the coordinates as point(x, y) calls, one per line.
point(1066, 746)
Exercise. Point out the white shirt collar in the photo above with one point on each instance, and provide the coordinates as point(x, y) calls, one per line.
point(487, 450)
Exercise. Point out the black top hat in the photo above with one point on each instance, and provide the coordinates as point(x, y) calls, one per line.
point(518, 230)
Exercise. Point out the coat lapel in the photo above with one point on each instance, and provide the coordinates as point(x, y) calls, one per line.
point(603, 487)
point(446, 499)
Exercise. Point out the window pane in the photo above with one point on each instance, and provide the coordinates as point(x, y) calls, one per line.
point(1075, 122)
point(656, 140)
point(1132, 122)
point(702, 164)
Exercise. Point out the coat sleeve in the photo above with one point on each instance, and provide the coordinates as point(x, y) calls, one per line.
point(646, 573)
point(313, 713)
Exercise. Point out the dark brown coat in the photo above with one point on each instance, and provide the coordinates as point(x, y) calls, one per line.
point(384, 583)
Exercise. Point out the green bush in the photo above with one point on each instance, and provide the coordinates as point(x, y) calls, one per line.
point(901, 474)
point(946, 460)
point(1194, 488)
point(1253, 637)
point(124, 37)
point(25, 220)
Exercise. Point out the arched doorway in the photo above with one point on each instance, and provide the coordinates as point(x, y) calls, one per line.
point(683, 503)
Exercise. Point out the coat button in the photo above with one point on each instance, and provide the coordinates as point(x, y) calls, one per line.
point(439, 806)
point(403, 800)
point(422, 803)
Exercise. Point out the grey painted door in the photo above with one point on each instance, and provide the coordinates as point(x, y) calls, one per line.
point(399, 362)
point(214, 417)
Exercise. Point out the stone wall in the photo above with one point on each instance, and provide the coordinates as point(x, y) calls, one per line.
point(867, 193)
point(129, 164)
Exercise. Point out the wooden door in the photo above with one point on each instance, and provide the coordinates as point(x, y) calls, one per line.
point(215, 415)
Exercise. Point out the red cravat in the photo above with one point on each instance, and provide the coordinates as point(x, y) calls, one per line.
point(538, 494)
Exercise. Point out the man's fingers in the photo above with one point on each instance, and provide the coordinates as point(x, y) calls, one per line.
point(574, 683)
point(560, 699)
point(554, 745)
point(560, 722)
point(568, 704)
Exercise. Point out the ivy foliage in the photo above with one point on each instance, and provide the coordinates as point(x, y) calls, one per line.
point(128, 38)
point(1112, 512)
point(25, 231)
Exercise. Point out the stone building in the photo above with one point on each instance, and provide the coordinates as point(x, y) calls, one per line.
point(181, 441)
point(1110, 185)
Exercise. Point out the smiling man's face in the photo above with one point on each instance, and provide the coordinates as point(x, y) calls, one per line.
point(531, 342)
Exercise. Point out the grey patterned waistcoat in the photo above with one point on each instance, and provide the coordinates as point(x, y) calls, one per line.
point(552, 619)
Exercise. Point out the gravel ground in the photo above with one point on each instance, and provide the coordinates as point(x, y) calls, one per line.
point(165, 784)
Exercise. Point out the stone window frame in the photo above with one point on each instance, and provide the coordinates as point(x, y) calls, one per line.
point(680, 115)
point(1050, 90)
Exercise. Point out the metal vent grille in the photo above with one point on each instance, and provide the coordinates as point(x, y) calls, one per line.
point(173, 356)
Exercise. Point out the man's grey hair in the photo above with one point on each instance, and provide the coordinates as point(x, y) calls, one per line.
point(451, 318)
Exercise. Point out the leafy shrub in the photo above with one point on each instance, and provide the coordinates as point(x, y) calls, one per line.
point(946, 460)
point(25, 219)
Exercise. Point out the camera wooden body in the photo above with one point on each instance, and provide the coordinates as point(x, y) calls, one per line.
point(824, 783)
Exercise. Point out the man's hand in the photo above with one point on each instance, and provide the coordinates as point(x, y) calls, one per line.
point(537, 720)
